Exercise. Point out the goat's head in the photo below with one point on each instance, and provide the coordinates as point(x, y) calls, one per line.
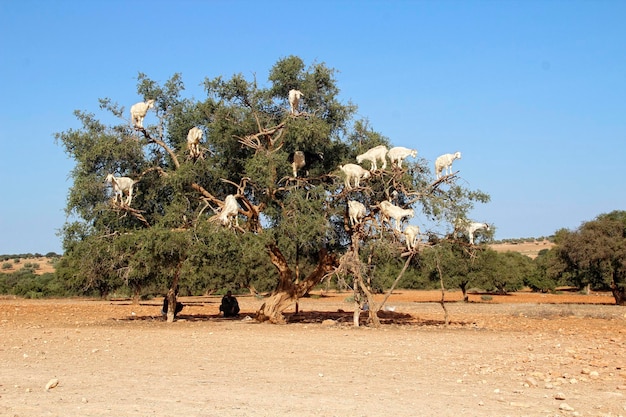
point(109, 178)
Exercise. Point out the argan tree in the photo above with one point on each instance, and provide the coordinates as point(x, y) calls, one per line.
point(292, 229)
point(595, 254)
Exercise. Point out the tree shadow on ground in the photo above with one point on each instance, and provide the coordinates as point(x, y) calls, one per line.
point(311, 317)
point(386, 318)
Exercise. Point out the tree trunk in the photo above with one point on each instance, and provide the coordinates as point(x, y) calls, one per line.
point(171, 305)
point(288, 291)
point(171, 294)
point(393, 286)
point(463, 287)
point(443, 293)
point(136, 294)
point(373, 308)
point(619, 293)
point(356, 314)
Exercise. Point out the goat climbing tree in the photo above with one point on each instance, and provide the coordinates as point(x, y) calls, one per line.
point(292, 232)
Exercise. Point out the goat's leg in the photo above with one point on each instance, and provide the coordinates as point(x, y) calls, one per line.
point(130, 196)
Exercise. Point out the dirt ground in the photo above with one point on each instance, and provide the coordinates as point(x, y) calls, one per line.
point(517, 355)
point(528, 248)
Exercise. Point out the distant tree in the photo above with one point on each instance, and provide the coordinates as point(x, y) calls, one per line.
point(595, 254)
point(453, 261)
point(542, 279)
point(501, 272)
point(293, 229)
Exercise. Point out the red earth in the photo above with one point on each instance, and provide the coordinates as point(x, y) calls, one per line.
point(524, 354)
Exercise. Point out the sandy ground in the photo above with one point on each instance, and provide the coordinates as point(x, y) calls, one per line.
point(517, 355)
point(530, 248)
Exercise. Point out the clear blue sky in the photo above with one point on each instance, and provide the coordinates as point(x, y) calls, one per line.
point(533, 93)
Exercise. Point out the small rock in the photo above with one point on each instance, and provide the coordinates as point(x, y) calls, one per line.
point(532, 382)
point(565, 407)
point(559, 396)
point(329, 322)
point(621, 387)
point(51, 384)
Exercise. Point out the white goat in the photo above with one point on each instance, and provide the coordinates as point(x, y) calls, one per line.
point(445, 162)
point(374, 154)
point(411, 234)
point(193, 141)
point(388, 211)
point(230, 209)
point(121, 186)
point(473, 227)
point(139, 110)
point(356, 212)
point(294, 100)
point(399, 153)
point(354, 171)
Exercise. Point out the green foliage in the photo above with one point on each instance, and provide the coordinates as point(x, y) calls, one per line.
point(170, 231)
point(25, 283)
point(464, 267)
point(542, 279)
point(594, 254)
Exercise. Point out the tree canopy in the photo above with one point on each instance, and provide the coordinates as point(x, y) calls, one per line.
point(290, 231)
point(595, 254)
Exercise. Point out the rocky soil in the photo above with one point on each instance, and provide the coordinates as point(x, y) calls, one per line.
point(519, 355)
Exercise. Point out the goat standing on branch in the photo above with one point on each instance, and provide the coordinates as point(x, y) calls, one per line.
point(121, 186)
point(444, 162)
point(473, 227)
point(138, 111)
point(294, 100)
point(376, 153)
point(298, 162)
point(354, 171)
point(230, 210)
point(300, 159)
point(356, 212)
point(398, 154)
point(193, 142)
point(388, 211)
point(411, 234)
